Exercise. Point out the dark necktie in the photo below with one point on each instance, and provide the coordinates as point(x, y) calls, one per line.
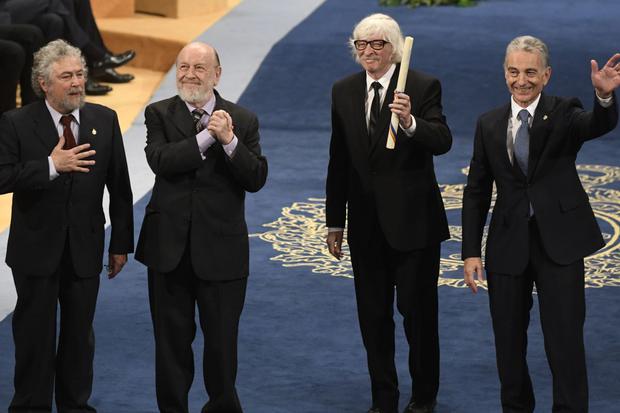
point(197, 114)
point(375, 108)
point(522, 141)
point(66, 120)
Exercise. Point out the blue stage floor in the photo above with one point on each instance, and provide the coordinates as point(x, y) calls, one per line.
point(300, 348)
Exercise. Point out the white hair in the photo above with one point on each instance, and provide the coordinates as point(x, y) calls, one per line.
point(529, 44)
point(379, 25)
point(46, 57)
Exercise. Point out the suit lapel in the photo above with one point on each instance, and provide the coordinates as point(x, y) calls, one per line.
point(86, 134)
point(44, 127)
point(504, 141)
point(87, 130)
point(220, 104)
point(358, 107)
point(539, 133)
point(181, 118)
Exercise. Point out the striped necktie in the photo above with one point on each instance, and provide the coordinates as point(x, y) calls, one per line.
point(197, 114)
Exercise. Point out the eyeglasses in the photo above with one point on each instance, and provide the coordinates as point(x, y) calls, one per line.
point(375, 44)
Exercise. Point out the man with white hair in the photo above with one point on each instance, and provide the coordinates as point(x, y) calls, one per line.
point(56, 156)
point(205, 153)
point(396, 217)
point(542, 225)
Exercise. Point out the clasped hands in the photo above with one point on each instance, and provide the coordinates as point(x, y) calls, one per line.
point(220, 126)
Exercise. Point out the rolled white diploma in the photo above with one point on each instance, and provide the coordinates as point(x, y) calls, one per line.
point(400, 87)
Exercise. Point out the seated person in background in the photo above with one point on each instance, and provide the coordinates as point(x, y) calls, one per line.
point(78, 26)
point(11, 66)
point(18, 42)
point(101, 62)
point(40, 13)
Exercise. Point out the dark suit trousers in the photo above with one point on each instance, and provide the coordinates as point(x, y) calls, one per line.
point(81, 24)
point(173, 297)
point(12, 58)
point(561, 299)
point(18, 42)
point(37, 359)
point(377, 269)
point(86, 19)
point(39, 14)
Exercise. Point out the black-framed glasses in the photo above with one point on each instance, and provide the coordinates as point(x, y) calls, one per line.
point(375, 44)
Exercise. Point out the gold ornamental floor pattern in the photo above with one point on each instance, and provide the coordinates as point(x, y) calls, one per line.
point(298, 234)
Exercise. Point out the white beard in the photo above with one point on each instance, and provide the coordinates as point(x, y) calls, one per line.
point(194, 95)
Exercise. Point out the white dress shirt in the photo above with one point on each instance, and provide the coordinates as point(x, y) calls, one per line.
point(385, 83)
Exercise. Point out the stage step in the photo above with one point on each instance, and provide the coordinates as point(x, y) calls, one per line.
point(157, 40)
point(113, 8)
point(181, 8)
point(165, 8)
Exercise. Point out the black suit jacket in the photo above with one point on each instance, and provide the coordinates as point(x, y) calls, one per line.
point(397, 186)
point(46, 212)
point(565, 219)
point(195, 200)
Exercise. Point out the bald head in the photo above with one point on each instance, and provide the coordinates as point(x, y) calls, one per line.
point(202, 48)
point(198, 72)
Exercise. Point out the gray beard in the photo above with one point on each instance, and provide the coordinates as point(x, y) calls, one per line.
point(68, 106)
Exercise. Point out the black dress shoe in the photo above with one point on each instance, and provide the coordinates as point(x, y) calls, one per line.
point(112, 76)
point(415, 407)
point(96, 89)
point(127, 54)
point(111, 61)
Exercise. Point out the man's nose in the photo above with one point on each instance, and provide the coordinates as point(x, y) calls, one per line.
point(368, 52)
point(190, 73)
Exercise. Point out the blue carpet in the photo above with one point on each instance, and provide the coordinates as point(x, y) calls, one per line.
point(300, 347)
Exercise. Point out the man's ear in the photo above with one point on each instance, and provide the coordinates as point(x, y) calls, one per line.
point(218, 74)
point(547, 75)
point(42, 84)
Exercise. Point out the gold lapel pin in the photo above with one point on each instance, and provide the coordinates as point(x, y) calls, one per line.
point(545, 117)
point(94, 131)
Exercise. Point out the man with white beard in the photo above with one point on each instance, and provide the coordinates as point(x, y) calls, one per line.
point(205, 153)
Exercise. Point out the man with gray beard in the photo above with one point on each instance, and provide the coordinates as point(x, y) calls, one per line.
point(56, 156)
point(205, 153)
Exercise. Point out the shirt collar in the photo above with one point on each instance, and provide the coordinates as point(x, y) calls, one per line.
point(384, 80)
point(208, 107)
point(57, 115)
point(515, 108)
